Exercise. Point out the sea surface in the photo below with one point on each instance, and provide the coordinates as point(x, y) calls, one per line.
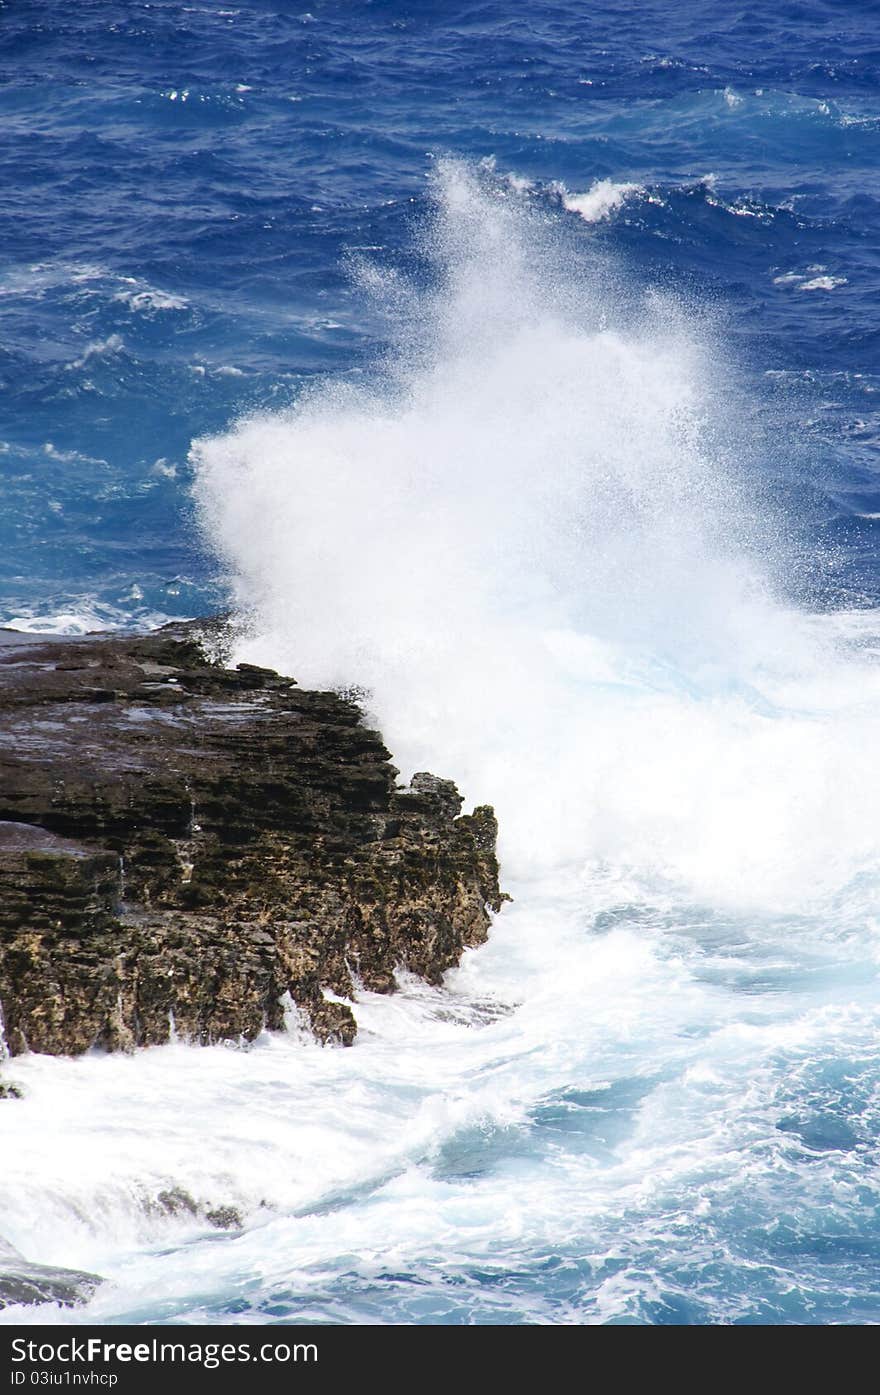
point(520, 366)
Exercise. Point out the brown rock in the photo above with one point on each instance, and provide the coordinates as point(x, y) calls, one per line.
point(183, 844)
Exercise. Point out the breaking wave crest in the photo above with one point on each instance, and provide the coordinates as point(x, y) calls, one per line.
point(538, 542)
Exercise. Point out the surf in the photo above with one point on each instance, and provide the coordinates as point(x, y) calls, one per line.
point(535, 539)
point(538, 541)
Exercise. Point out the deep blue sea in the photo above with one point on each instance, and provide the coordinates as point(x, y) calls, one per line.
point(520, 365)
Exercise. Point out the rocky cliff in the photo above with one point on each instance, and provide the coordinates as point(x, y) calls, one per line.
point(186, 847)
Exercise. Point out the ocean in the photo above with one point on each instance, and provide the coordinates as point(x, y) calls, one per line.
point(519, 367)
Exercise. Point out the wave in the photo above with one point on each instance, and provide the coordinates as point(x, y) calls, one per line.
point(603, 198)
point(89, 619)
point(537, 544)
point(538, 538)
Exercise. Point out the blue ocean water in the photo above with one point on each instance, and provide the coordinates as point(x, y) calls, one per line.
point(184, 183)
point(653, 1097)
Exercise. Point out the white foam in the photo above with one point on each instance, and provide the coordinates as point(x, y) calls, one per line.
point(535, 543)
point(813, 279)
point(391, 1156)
point(86, 620)
point(532, 540)
point(70, 457)
point(39, 277)
point(602, 199)
point(822, 283)
point(151, 300)
point(97, 349)
point(60, 623)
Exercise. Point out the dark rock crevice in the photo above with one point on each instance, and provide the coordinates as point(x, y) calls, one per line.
point(183, 844)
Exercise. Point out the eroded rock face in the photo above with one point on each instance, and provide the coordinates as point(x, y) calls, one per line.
point(183, 844)
point(23, 1282)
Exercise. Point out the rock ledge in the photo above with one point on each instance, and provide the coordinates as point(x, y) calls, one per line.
point(185, 848)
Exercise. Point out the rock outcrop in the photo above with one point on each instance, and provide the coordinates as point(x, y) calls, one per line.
point(23, 1282)
point(186, 847)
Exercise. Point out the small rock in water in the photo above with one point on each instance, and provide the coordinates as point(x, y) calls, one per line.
point(175, 1200)
point(224, 1218)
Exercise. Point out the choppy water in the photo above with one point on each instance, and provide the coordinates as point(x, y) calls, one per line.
point(523, 371)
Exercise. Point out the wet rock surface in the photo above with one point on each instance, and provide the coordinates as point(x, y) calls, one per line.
point(176, 1201)
point(23, 1282)
point(183, 845)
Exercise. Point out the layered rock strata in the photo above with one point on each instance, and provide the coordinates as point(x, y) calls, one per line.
point(187, 848)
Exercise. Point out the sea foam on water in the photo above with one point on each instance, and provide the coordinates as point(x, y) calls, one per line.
point(536, 539)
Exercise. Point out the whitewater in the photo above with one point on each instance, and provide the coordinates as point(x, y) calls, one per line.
point(535, 540)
